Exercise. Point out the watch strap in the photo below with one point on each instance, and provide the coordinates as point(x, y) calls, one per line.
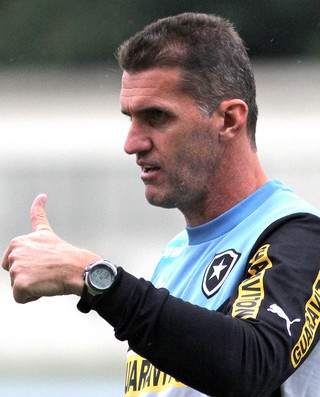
point(86, 301)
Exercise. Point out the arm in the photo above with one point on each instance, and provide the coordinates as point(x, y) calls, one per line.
point(202, 348)
point(253, 348)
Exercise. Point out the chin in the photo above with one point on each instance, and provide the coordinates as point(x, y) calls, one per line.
point(161, 201)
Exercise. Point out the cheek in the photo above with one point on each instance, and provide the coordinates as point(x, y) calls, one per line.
point(188, 146)
point(200, 153)
point(200, 141)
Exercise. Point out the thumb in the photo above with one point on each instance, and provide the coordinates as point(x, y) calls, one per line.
point(38, 215)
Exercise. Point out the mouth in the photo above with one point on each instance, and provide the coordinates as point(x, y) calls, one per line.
point(148, 169)
point(149, 173)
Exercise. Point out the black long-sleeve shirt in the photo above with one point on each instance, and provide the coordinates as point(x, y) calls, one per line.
point(254, 341)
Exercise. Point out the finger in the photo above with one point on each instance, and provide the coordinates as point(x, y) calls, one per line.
point(22, 298)
point(38, 215)
point(5, 259)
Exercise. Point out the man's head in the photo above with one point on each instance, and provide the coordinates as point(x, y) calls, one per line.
point(207, 49)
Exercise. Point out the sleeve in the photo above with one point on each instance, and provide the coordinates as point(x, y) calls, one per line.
point(254, 342)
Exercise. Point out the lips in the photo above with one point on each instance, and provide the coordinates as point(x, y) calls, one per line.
point(146, 169)
point(149, 171)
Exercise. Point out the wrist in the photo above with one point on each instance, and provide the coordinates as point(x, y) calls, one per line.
point(98, 278)
point(73, 279)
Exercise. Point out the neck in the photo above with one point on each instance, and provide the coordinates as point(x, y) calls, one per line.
point(235, 181)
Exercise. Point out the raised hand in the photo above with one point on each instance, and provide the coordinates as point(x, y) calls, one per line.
point(41, 263)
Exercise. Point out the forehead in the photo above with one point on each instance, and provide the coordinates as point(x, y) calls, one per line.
point(154, 86)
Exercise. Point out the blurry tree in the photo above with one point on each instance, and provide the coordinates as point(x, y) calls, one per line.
point(89, 31)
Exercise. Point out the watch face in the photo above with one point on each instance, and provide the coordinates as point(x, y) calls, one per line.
point(101, 277)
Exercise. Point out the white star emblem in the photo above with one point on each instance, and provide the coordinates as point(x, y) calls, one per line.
point(217, 270)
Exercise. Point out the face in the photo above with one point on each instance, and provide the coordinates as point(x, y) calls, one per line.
point(176, 146)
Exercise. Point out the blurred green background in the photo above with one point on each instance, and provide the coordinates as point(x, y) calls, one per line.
point(73, 32)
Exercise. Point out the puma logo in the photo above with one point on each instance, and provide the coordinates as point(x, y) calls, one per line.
point(277, 310)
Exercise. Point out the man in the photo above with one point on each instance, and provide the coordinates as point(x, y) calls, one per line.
point(234, 304)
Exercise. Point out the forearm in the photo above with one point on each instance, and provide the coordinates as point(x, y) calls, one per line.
point(201, 348)
point(205, 349)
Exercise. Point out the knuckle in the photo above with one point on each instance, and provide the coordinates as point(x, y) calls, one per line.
point(13, 256)
point(15, 267)
point(16, 241)
point(20, 291)
point(15, 244)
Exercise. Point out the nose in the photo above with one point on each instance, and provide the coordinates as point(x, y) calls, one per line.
point(137, 141)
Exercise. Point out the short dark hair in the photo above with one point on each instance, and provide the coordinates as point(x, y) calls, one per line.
point(213, 59)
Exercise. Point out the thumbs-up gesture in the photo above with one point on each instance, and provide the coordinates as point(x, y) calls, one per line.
point(41, 263)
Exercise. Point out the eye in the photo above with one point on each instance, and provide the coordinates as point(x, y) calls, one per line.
point(157, 117)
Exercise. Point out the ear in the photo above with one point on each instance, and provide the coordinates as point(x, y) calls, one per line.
point(234, 114)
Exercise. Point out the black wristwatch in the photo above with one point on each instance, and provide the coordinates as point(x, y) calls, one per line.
point(99, 276)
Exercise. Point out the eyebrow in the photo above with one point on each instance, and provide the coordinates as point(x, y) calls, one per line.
point(145, 110)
